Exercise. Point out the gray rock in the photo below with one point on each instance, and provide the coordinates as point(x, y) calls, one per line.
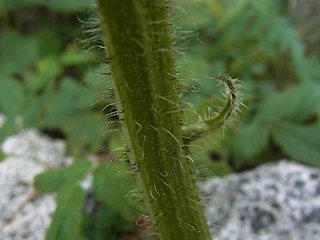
point(24, 213)
point(38, 148)
point(273, 202)
point(279, 201)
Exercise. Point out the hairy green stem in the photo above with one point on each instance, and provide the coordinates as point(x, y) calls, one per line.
point(136, 34)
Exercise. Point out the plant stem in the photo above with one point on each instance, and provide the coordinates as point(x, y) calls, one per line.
point(138, 42)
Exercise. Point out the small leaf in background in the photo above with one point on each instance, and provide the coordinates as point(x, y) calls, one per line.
point(73, 57)
point(68, 6)
point(50, 67)
point(17, 52)
point(189, 69)
point(15, 4)
point(67, 219)
point(98, 84)
point(231, 13)
point(110, 186)
point(48, 36)
point(249, 142)
point(52, 181)
point(38, 106)
point(36, 82)
point(208, 167)
point(301, 143)
point(296, 104)
point(12, 97)
point(60, 5)
point(84, 132)
point(70, 99)
point(9, 128)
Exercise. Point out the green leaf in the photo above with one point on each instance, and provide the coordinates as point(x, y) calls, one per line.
point(207, 168)
point(301, 143)
point(232, 12)
point(17, 52)
point(54, 180)
point(68, 6)
point(72, 57)
point(12, 97)
point(50, 67)
point(50, 43)
point(111, 184)
point(249, 142)
point(69, 104)
point(84, 131)
point(71, 99)
point(38, 105)
point(67, 220)
point(9, 128)
point(61, 5)
point(15, 4)
point(295, 104)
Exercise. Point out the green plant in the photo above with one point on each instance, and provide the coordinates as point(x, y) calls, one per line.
point(140, 55)
point(256, 41)
point(70, 221)
point(50, 88)
point(45, 84)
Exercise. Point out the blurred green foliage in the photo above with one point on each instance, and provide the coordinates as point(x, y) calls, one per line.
point(52, 181)
point(67, 219)
point(45, 78)
point(257, 42)
point(49, 84)
point(114, 213)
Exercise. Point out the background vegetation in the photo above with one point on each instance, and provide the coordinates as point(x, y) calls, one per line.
point(48, 81)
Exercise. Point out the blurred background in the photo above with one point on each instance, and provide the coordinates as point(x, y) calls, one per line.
point(50, 81)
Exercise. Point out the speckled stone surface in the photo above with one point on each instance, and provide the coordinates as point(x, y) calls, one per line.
point(24, 213)
point(278, 201)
